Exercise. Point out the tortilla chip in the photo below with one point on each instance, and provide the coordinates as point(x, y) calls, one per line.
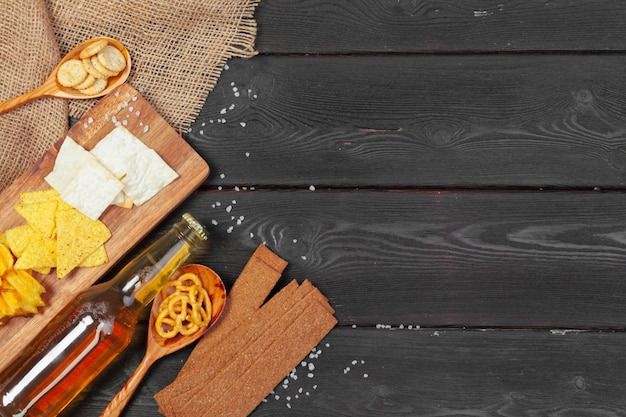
point(40, 253)
point(40, 216)
point(19, 237)
point(96, 258)
point(78, 236)
point(33, 197)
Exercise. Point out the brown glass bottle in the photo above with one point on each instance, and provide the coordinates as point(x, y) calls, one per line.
point(93, 329)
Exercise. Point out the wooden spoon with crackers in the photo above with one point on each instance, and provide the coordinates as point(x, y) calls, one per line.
point(92, 69)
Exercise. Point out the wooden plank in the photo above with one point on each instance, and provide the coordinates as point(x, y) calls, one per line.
point(128, 227)
point(327, 26)
point(435, 258)
point(417, 121)
point(425, 372)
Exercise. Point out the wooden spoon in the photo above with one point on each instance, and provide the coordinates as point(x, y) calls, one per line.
point(157, 346)
point(52, 88)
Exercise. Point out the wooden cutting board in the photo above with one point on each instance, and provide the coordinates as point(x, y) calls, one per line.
point(128, 226)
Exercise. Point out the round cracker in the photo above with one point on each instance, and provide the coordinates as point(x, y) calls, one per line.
point(89, 81)
point(101, 68)
point(71, 73)
point(96, 88)
point(92, 70)
point(112, 59)
point(93, 48)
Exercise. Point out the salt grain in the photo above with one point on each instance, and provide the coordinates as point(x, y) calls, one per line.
point(312, 187)
point(242, 124)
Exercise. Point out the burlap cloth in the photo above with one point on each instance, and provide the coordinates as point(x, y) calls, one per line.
point(178, 49)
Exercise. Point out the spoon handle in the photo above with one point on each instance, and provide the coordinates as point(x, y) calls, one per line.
point(14, 102)
point(118, 403)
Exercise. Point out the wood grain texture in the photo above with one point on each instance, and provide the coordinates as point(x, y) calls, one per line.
point(373, 372)
point(436, 258)
point(126, 106)
point(417, 121)
point(428, 26)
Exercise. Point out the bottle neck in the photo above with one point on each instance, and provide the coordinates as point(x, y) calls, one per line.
point(143, 278)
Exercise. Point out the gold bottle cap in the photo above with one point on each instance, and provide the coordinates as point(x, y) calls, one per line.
point(196, 226)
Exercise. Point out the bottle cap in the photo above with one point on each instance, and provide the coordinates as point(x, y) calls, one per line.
point(196, 226)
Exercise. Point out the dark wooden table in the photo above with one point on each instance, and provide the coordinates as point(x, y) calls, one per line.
point(451, 175)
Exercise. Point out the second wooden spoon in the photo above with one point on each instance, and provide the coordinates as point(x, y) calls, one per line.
point(157, 346)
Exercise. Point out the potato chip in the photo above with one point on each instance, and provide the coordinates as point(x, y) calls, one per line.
point(78, 236)
point(28, 289)
point(6, 259)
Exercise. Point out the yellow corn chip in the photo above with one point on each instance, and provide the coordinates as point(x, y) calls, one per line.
point(40, 216)
point(77, 237)
point(96, 258)
point(19, 237)
point(33, 197)
point(40, 253)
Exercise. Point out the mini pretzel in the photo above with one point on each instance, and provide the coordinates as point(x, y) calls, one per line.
point(186, 309)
